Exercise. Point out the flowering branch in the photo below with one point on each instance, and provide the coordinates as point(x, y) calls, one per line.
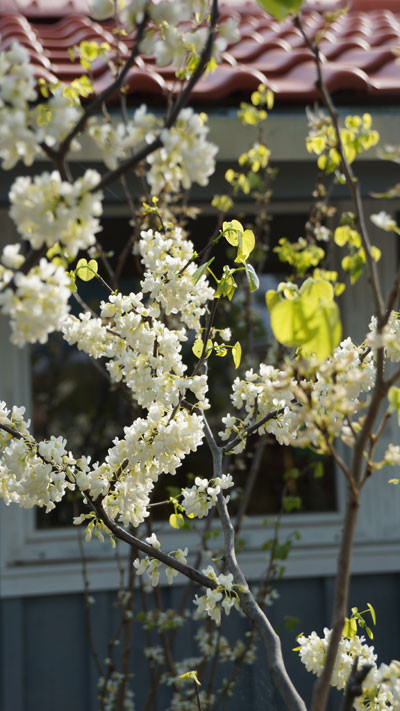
point(249, 605)
point(180, 102)
point(354, 684)
point(96, 104)
point(252, 428)
point(149, 550)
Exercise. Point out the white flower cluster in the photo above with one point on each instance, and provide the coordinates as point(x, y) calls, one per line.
point(151, 566)
point(23, 129)
point(31, 474)
point(186, 157)
point(38, 303)
point(114, 142)
point(151, 447)
point(389, 338)
point(48, 210)
point(53, 119)
point(384, 221)
point(141, 351)
point(381, 688)
point(17, 89)
point(166, 38)
point(202, 496)
point(308, 401)
point(110, 691)
point(209, 641)
point(223, 596)
point(164, 258)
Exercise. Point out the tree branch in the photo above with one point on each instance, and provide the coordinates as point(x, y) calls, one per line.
point(272, 643)
point(149, 550)
point(180, 102)
point(95, 105)
point(354, 684)
point(252, 428)
point(351, 180)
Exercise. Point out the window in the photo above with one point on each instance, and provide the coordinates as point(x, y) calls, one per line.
point(37, 560)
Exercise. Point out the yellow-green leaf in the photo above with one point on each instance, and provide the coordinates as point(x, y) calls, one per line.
point(237, 354)
point(394, 400)
point(86, 270)
point(247, 243)
point(176, 521)
point(201, 270)
point(252, 277)
point(190, 675)
point(231, 231)
point(197, 348)
point(372, 611)
point(281, 8)
point(309, 320)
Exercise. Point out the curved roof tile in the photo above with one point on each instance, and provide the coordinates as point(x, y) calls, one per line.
point(357, 50)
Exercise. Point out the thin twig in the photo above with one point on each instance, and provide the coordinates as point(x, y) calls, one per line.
point(252, 428)
point(351, 180)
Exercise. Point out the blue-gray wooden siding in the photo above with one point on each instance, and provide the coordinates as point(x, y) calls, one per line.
point(45, 664)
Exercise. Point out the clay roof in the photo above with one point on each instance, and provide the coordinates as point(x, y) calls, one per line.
point(357, 51)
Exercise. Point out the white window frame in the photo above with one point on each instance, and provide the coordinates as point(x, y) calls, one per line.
point(36, 562)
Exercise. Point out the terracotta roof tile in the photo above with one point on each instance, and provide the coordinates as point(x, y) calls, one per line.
point(357, 51)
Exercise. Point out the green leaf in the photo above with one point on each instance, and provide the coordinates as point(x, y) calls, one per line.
point(176, 521)
point(190, 675)
point(86, 270)
point(318, 470)
point(237, 354)
point(372, 611)
point(197, 348)
point(394, 400)
point(252, 277)
point(309, 319)
point(201, 270)
point(281, 8)
point(231, 231)
point(247, 243)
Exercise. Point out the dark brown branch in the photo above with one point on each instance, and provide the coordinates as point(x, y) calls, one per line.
point(252, 428)
point(179, 104)
point(96, 104)
point(149, 550)
point(322, 685)
point(354, 684)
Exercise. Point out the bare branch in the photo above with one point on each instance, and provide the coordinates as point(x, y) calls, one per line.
point(272, 643)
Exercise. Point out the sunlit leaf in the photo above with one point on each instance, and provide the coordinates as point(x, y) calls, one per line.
point(281, 8)
point(176, 521)
point(237, 354)
point(252, 277)
point(86, 270)
point(310, 320)
point(246, 245)
point(201, 270)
